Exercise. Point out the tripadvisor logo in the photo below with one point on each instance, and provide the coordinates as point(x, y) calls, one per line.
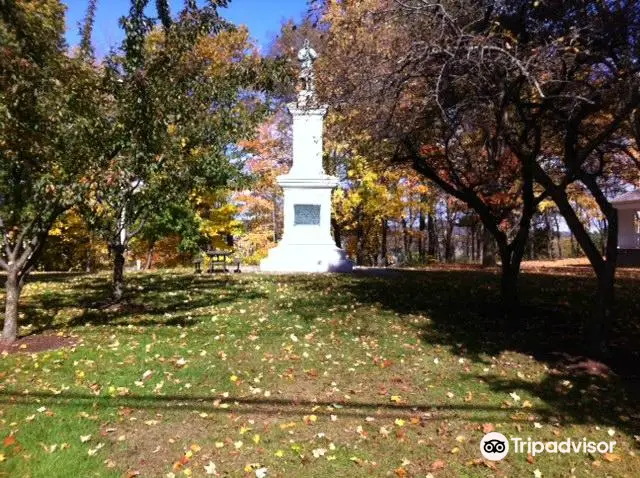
point(495, 446)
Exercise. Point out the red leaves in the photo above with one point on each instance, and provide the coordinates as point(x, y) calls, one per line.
point(488, 428)
point(386, 363)
point(430, 149)
point(10, 440)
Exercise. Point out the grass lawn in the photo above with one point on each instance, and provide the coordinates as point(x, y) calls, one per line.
point(367, 375)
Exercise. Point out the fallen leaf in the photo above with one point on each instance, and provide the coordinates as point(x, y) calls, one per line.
point(401, 472)
point(488, 428)
point(261, 472)
point(210, 468)
point(611, 457)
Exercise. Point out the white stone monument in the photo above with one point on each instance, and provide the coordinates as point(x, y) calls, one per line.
point(307, 245)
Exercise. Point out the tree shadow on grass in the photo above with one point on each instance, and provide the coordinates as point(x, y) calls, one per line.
point(151, 300)
point(274, 406)
point(464, 316)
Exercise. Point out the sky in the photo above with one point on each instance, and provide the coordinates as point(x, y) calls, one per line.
point(262, 17)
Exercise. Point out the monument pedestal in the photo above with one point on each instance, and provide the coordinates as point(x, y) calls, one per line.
point(307, 245)
point(306, 258)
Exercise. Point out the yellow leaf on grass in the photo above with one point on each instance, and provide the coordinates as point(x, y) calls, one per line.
point(611, 457)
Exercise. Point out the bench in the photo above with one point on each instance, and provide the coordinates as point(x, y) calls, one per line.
point(216, 258)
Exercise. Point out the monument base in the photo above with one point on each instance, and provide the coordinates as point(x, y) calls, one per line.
point(306, 258)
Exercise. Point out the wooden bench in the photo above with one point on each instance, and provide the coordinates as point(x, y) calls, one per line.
point(216, 258)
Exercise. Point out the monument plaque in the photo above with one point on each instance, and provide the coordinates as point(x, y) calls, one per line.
point(306, 214)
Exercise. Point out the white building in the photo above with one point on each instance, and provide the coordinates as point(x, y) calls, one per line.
point(628, 206)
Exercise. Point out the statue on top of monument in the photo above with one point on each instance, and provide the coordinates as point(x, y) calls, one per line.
point(307, 56)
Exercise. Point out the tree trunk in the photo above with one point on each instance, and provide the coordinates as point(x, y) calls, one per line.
point(18, 267)
point(603, 236)
point(448, 242)
point(574, 246)
point(422, 226)
point(433, 238)
point(147, 266)
point(360, 242)
point(13, 289)
point(598, 328)
point(558, 235)
point(89, 263)
point(509, 293)
point(549, 237)
point(405, 240)
point(383, 246)
point(118, 271)
point(337, 232)
point(488, 249)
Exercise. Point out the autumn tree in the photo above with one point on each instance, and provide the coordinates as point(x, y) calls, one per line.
point(51, 117)
point(561, 75)
point(178, 219)
point(502, 104)
point(72, 246)
point(370, 80)
point(268, 155)
point(184, 90)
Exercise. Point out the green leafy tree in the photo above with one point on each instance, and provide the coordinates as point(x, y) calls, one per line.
point(185, 91)
point(175, 219)
point(50, 119)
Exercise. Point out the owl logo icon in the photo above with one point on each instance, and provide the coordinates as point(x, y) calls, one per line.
point(494, 446)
